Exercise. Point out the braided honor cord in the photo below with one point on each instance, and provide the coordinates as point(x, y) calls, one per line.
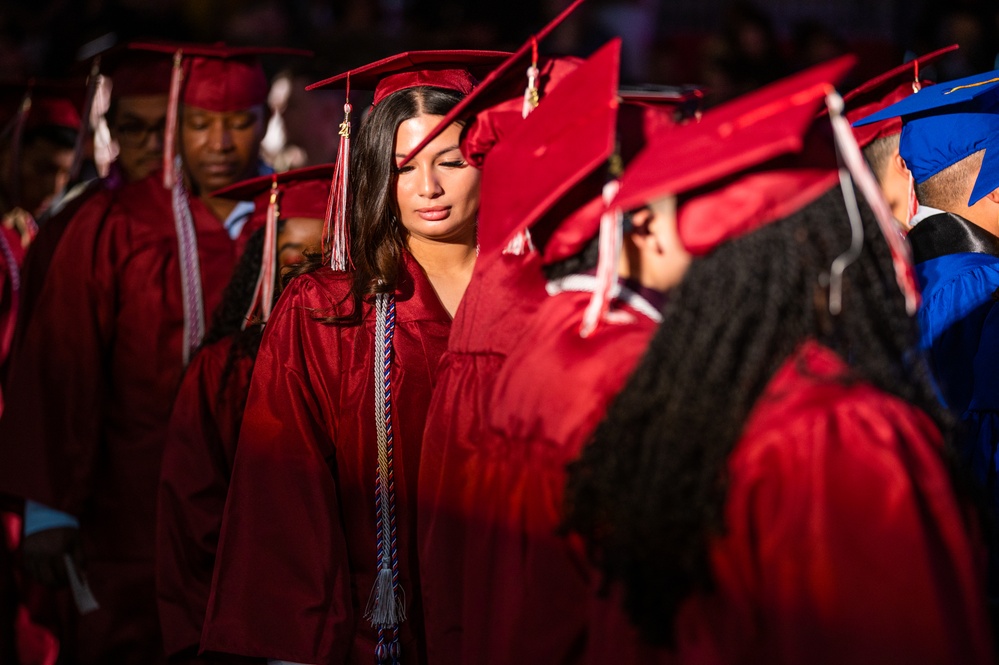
point(387, 604)
point(190, 268)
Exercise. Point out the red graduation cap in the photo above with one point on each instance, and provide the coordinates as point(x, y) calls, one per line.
point(752, 131)
point(883, 91)
point(214, 77)
point(41, 103)
point(135, 71)
point(557, 146)
point(452, 70)
point(758, 159)
point(298, 193)
point(503, 84)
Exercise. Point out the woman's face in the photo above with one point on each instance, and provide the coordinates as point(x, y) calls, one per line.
point(297, 236)
point(436, 192)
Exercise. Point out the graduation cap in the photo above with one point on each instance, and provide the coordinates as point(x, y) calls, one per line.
point(555, 175)
point(502, 86)
point(760, 158)
point(947, 122)
point(884, 90)
point(213, 77)
point(449, 69)
point(30, 105)
point(299, 193)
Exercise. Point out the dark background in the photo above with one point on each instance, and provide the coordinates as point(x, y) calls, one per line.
point(727, 46)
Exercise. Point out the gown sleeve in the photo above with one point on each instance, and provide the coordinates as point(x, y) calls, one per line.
point(192, 492)
point(846, 535)
point(58, 387)
point(281, 588)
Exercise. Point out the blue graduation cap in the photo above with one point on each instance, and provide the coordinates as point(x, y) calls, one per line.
point(943, 124)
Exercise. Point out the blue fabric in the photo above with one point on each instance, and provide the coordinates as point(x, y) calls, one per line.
point(959, 327)
point(942, 124)
point(39, 517)
point(932, 143)
point(237, 219)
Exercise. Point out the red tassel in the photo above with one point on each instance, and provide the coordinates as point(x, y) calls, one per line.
point(336, 230)
point(263, 294)
point(170, 132)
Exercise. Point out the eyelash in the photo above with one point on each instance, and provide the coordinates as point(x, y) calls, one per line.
point(455, 164)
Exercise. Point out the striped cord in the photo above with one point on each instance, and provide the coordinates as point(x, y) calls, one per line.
point(190, 268)
point(386, 605)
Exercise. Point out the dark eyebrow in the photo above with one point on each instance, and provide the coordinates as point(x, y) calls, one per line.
point(439, 152)
point(290, 245)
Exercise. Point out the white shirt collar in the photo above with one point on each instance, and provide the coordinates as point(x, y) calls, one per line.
point(922, 212)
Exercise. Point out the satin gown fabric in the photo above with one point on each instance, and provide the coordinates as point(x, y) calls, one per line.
point(92, 387)
point(296, 560)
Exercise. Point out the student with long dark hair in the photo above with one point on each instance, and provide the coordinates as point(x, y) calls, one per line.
point(772, 484)
point(207, 414)
point(317, 559)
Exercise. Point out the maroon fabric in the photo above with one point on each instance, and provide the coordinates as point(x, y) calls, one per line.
point(845, 542)
point(42, 248)
point(197, 464)
point(296, 559)
point(504, 292)
point(549, 396)
point(10, 294)
point(91, 391)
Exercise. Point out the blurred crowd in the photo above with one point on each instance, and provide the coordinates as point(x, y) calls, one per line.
point(727, 46)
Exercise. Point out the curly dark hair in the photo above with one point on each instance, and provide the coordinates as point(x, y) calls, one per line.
point(648, 493)
point(228, 317)
point(376, 236)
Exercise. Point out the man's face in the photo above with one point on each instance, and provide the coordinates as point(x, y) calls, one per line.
point(45, 169)
point(220, 148)
point(137, 128)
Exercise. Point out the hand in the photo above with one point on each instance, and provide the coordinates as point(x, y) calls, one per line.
point(42, 555)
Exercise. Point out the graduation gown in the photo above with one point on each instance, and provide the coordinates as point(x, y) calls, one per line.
point(92, 388)
point(504, 291)
point(197, 464)
point(11, 259)
point(845, 542)
point(957, 265)
point(296, 561)
point(549, 396)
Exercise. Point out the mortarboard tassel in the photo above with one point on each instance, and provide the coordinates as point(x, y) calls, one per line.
point(81, 138)
point(336, 230)
point(263, 293)
point(170, 131)
point(521, 243)
point(609, 252)
point(531, 97)
point(850, 153)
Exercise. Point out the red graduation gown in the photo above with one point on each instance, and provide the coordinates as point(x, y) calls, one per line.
point(503, 293)
point(91, 390)
point(42, 248)
point(549, 396)
point(197, 465)
point(296, 560)
point(10, 293)
point(845, 542)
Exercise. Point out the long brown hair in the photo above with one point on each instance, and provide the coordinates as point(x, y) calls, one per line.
point(376, 235)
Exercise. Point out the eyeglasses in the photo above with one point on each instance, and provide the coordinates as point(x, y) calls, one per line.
point(134, 134)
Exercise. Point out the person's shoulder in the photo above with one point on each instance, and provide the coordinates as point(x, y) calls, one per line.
point(814, 403)
point(323, 291)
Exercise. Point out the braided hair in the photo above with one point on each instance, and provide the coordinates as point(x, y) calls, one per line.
point(648, 493)
point(228, 318)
